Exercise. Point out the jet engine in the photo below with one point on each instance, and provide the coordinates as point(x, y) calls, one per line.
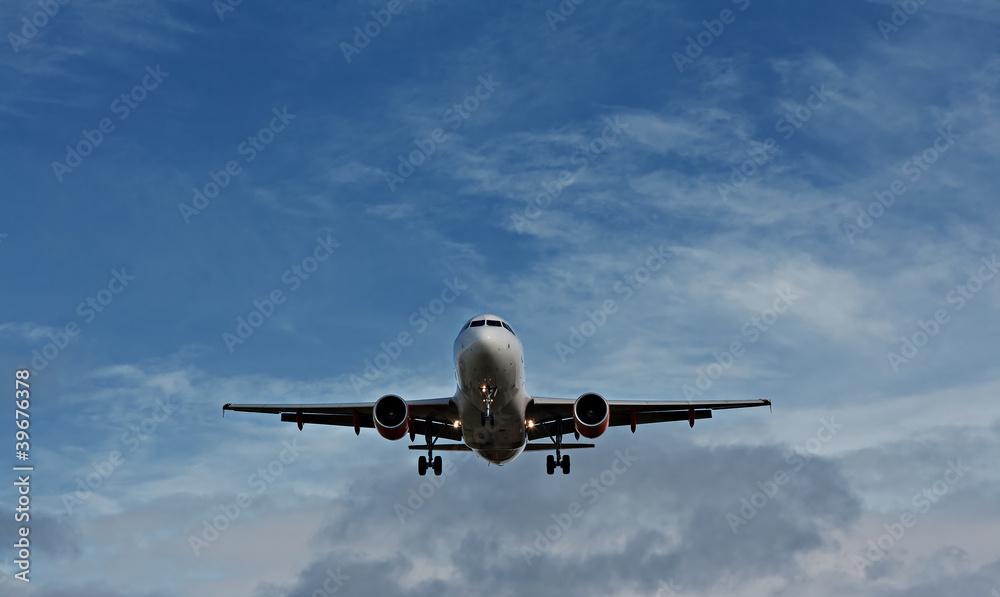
point(391, 416)
point(591, 415)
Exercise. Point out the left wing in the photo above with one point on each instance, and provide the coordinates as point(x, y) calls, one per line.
point(430, 414)
point(557, 413)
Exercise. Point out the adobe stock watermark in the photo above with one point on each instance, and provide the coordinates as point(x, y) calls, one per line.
point(258, 481)
point(587, 154)
point(752, 331)
point(418, 496)
point(131, 440)
point(627, 286)
point(87, 310)
point(667, 589)
point(38, 21)
point(363, 35)
point(224, 7)
point(124, 105)
point(419, 320)
point(921, 503)
point(293, 278)
point(249, 149)
point(713, 30)
point(591, 491)
point(422, 493)
point(759, 155)
point(769, 487)
point(901, 13)
point(332, 583)
point(463, 110)
point(564, 10)
point(958, 297)
point(912, 169)
point(454, 117)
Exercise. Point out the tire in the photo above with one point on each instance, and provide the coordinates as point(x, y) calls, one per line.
point(437, 466)
point(422, 466)
point(550, 464)
point(565, 465)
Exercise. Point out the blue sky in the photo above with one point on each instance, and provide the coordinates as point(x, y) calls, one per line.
point(804, 180)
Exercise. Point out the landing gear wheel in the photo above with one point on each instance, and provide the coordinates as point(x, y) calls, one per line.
point(493, 420)
point(422, 466)
point(565, 465)
point(437, 466)
point(482, 419)
point(550, 464)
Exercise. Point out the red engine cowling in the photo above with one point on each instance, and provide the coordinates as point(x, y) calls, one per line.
point(591, 415)
point(391, 416)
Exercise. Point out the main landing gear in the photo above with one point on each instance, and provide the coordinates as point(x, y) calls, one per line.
point(551, 462)
point(430, 461)
point(560, 461)
point(435, 464)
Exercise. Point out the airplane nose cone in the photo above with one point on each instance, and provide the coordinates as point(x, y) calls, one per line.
point(480, 340)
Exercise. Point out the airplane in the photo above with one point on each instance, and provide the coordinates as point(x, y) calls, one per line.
point(491, 413)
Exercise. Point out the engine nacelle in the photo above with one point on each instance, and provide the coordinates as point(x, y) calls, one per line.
point(591, 415)
point(391, 416)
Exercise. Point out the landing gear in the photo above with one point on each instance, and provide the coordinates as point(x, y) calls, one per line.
point(551, 462)
point(489, 393)
point(426, 462)
point(430, 461)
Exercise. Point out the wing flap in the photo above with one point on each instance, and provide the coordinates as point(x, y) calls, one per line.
point(543, 447)
point(365, 420)
point(442, 447)
point(619, 419)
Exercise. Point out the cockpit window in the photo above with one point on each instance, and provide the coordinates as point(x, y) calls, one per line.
point(477, 323)
point(493, 322)
point(507, 327)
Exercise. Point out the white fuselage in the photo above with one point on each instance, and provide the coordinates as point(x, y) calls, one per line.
point(489, 365)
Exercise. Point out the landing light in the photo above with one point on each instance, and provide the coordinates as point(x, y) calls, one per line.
point(531, 424)
point(455, 424)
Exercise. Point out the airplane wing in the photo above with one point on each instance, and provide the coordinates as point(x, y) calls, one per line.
point(551, 414)
point(430, 414)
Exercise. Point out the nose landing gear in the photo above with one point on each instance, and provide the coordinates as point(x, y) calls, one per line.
point(489, 393)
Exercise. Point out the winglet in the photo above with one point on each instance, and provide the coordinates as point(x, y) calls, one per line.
point(768, 403)
point(224, 407)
